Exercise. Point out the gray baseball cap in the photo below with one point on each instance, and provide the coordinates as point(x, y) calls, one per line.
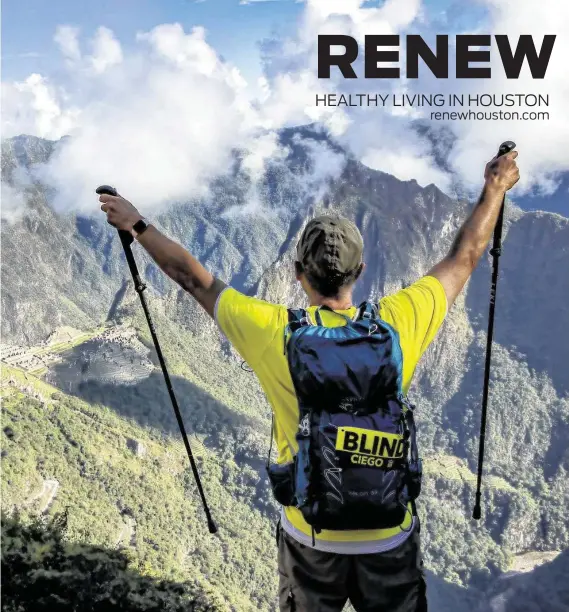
point(330, 245)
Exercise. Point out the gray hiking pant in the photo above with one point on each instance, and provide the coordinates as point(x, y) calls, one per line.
point(315, 581)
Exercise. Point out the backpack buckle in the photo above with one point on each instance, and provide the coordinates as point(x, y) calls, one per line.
point(367, 311)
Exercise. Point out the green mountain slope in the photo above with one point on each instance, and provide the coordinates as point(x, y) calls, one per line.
point(122, 474)
point(106, 446)
point(102, 483)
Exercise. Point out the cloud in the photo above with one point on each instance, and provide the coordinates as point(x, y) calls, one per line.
point(164, 122)
point(35, 106)
point(540, 143)
point(388, 138)
point(381, 138)
point(67, 39)
point(260, 152)
point(12, 203)
point(107, 51)
point(161, 119)
point(326, 165)
point(407, 164)
point(246, 2)
point(356, 18)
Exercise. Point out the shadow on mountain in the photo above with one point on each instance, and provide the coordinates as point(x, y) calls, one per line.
point(147, 402)
point(444, 596)
point(41, 571)
point(544, 589)
point(531, 286)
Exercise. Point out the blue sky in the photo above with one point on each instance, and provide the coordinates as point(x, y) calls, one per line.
point(68, 95)
point(233, 29)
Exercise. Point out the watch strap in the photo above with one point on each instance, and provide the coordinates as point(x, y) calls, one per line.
point(139, 227)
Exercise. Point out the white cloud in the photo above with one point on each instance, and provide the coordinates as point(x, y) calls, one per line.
point(67, 39)
point(265, 148)
point(186, 51)
point(379, 137)
point(540, 143)
point(245, 2)
point(386, 138)
point(289, 100)
point(260, 152)
point(12, 203)
point(161, 120)
point(164, 122)
point(326, 165)
point(357, 18)
point(34, 106)
point(107, 51)
point(407, 164)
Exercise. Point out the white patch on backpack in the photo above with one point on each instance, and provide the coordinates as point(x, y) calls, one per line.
point(304, 426)
point(388, 495)
point(334, 472)
point(347, 404)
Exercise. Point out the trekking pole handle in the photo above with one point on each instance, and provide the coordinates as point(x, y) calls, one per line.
point(506, 147)
point(496, 250)
point(126, 240)
point(126, 237)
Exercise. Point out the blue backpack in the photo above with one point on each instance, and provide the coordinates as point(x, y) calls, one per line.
point(357, 465)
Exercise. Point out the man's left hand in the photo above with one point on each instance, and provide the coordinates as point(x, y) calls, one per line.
point(120, 212)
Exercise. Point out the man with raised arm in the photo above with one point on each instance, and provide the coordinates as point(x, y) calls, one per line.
point(380, 568)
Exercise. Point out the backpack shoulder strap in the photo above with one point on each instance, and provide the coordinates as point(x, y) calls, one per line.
point(298, 315)
point(367, 310)
point(297, 318)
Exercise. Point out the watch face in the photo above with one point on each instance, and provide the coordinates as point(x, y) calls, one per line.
point(139, 226)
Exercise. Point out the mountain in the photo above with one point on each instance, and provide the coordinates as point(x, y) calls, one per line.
point(529, 410)
point(544, 588)
point(74, 263)
point(52, 275)
point(74, 329)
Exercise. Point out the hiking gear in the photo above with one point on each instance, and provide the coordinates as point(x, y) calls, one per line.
point(126, 240)
point(255, 328)
point(362, 546)
point(315, 580)
point(496, 251)
point(357, 465)
point(330, 245)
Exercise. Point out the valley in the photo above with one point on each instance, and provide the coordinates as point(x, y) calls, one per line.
point(84, 403)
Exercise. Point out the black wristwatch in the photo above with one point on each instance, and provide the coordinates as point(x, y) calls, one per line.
point(139, 227)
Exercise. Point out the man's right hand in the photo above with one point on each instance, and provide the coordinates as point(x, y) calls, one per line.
point(454, 270)
point(502, 172)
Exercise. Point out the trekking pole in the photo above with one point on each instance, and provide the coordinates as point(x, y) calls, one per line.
point(126, 240)
point(496, 251)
